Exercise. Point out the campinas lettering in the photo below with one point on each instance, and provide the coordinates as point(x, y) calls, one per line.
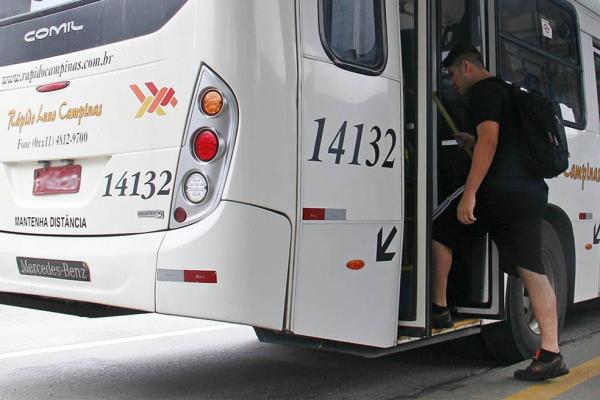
point(20, 119)
point(583, 173)
point(80, 112)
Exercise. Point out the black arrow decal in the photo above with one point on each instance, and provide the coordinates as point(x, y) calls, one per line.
point(382, 248)
point(596, 233)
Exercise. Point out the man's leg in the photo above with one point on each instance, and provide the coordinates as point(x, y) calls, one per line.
point(548, 362)
point(543, 301)
point(441, 257)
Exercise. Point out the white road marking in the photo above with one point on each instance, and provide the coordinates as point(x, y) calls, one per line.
point(79, 346)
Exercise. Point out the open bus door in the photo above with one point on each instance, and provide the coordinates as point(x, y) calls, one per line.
point(429, 29)
point(476, 284)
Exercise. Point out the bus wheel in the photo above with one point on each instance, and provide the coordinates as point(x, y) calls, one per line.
point(518, 337)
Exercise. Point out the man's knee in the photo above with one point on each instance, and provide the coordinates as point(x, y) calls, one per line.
point(530, 276)
point(440, 247)
point(535, 282)
point(441, 254)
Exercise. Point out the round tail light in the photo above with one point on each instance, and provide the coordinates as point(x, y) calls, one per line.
point(211, 102)
point(206, 145)
point(196, 187)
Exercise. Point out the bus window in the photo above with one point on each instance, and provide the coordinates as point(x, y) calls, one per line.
point(559, 31)
point(37, 5)
point(541, 53)
point(12, 8)
point(517, 18)
point(353, 34)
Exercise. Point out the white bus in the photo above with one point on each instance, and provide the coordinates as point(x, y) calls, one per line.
point(276, 163)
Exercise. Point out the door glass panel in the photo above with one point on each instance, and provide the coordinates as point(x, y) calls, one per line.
point(597, 65)
point(459, 21)
point(408, 280)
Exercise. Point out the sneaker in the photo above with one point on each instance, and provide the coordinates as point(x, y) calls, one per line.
point(442, 320)
point(539, 371)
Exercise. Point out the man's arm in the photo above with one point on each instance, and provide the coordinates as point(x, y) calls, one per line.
point(485, 148)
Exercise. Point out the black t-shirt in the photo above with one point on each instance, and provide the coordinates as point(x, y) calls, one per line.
point(489, 100)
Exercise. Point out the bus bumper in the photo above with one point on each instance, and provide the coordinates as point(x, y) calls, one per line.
point(231, 266)
point(121, 269)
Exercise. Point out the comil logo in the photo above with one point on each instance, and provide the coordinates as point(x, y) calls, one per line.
point(154, 103)
point(54, 30)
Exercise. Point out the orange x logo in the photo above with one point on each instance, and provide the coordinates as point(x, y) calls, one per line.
point(155, 102)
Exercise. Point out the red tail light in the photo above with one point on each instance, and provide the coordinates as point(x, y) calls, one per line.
point(206, 145)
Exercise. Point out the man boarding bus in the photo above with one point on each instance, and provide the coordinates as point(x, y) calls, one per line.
point(277, 163)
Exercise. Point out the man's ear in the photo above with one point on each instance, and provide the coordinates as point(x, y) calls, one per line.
point(466, 66)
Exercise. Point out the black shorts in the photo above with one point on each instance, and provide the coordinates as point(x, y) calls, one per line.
point(512, 218)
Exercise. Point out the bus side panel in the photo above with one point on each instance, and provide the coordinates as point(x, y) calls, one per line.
point(242, 252)
point(577, 190)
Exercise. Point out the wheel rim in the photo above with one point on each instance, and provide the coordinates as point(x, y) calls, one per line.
point(532, 323)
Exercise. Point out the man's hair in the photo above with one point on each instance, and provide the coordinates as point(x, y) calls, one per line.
point(463, 52)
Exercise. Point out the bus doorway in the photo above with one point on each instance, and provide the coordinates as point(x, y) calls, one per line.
point(475, 282)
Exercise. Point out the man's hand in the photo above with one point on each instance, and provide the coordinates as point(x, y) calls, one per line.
point(465, 140)
point(464, 211)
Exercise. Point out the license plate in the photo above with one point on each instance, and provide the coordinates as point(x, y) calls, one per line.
point(56, 180)
point(57, 269)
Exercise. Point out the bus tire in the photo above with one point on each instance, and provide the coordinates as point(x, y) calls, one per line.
point(518, 337)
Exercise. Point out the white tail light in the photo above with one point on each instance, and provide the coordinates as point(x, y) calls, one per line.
point(195, 187)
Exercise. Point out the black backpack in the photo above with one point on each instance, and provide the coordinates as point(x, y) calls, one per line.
point(542, 142)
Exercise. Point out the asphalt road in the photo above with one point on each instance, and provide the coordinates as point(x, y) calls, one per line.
point(47, 355)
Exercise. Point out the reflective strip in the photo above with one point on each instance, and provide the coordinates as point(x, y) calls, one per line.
point(191, 276)
point(169, 275)
point(324, 214)
point(335, 214)
point(200, 276)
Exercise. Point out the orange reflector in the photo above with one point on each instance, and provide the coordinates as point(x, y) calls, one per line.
point(588, 246)
point(211, 103)
point(355, 264)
